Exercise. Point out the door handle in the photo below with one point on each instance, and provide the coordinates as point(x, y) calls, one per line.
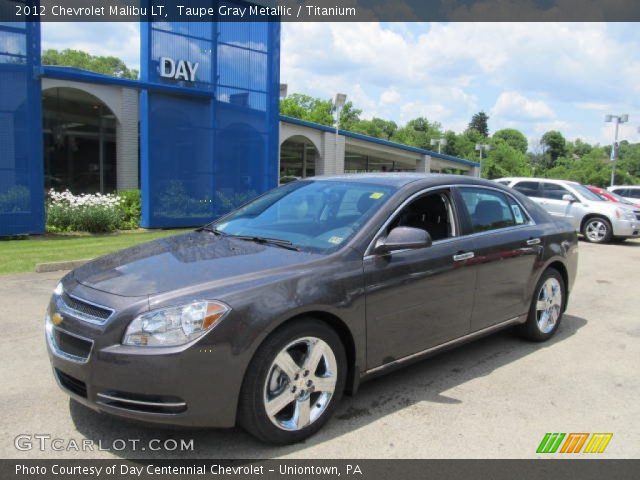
point(533, 241)
point(459, 257)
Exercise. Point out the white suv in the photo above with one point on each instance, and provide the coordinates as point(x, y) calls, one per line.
point(599, 221)
point(629, 192)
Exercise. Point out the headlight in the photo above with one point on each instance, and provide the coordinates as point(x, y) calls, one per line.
point(625, 213)
point(58, 290)
point(169, 327)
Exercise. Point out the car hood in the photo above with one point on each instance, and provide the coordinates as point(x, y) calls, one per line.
point(183, 261)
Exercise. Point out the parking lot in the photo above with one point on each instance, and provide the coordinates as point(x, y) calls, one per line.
point(495, 398)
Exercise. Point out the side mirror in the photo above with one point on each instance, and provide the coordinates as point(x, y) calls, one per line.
point(567, 197)
point(403, 238)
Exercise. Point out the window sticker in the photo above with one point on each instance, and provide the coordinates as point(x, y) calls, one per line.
point(336, 240)
point(376, 195)
point(517, 213)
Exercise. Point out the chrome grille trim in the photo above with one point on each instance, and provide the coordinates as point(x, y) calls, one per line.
point(64, 308)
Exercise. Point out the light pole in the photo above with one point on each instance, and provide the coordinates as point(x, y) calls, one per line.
point(338, 102)
point(482, 147)
point(617, 120)
point(283, 90)
point(441, 142)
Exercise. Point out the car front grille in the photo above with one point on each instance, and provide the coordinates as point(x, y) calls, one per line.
point(76, 347)
point(72, 384)
point(84, 310)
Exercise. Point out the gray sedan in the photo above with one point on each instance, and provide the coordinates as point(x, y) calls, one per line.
point(265, 317)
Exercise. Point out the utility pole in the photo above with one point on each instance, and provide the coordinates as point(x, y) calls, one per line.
point(617, 120)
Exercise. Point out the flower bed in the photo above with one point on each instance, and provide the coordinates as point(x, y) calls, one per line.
point(95, 213)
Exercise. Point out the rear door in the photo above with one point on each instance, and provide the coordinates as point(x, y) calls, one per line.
point(507, 244)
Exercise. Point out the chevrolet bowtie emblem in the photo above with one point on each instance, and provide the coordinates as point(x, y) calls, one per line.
point(56, 318)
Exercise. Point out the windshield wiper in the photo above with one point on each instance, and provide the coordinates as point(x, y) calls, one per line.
point(215, 231)
point(270, 241)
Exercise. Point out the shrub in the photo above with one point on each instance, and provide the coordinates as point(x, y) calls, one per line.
point(85, 213)
point(131, 209)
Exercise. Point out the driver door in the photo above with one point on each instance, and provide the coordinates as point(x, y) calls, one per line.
point(417, 299)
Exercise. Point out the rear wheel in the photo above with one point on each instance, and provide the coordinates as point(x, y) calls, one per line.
point(597, 230)
point(546, 309)
point(293, 383)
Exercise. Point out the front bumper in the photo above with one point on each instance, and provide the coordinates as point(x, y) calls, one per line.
point(193, 385)
point(626, 228)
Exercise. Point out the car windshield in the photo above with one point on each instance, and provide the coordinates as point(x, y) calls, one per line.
point(620, 199)
point(586, 193)
point(317, 216)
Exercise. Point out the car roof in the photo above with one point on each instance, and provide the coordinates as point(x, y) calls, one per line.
point(537, 179)
point(398, 179)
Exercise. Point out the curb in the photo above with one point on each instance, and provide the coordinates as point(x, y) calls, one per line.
point(55, 266)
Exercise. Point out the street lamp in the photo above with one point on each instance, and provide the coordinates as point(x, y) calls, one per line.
point(283, 90)
point(482, 147)
point(338, 102)
point(441, 142)
point(617, 120)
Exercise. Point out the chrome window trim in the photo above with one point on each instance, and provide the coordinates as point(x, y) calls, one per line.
point(64, 308)
point(67, 356)
point(369, 251)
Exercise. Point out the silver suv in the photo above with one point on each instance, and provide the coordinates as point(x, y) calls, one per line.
point(629, 192)
point(599, 221)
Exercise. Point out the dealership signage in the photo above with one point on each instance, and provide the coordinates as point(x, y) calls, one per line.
point(178, 70)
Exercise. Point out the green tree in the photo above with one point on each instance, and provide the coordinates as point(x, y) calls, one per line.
point(418, 133)
point(349, 116)
point(505, 161)
point(308, 108)
point(480, 123)
point(76, 58)
point(555, 145)
point(512, 137)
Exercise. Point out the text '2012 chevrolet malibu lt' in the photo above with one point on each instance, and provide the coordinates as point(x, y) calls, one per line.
point(265, 317)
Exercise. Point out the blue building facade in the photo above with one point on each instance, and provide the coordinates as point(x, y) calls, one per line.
point(209, 120)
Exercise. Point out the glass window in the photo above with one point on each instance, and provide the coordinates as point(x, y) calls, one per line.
point(519, 215)
point(623, 192)
point(634, 193)
point(586, 193)
point(554, 191)
point(430, 212)
point(488, 209)
point(530, 189)
point(317, 216)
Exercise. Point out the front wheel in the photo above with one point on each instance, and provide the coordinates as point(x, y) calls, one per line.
point(293, 383)
point(597, 230)
point(546, 309)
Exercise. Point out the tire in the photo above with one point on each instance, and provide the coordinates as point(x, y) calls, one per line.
point(597, 230)
point(279, 376)
point(542, 323)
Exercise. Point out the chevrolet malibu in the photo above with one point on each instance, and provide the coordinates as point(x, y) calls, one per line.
point(265, 317)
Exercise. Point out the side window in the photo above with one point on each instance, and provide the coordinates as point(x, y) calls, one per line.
point(488, 209)
point(623, 192)
point(519, 215)
point(553, 191)
point(431, 212)
point(634, 193)
point(530, 189)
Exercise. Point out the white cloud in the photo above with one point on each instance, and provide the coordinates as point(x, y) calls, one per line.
point(514, 105)
point(390, 95)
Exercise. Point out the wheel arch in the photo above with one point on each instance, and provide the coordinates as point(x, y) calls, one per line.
point(589, 216)
point(558, 265)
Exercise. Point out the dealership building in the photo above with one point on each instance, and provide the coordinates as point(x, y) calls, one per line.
point(199, 133)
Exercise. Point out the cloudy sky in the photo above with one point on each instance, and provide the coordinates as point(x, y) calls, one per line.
point(531, 76)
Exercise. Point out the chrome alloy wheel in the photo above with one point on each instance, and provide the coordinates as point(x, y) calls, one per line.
point(596, 230)
point(300, 383)
point(549, 305)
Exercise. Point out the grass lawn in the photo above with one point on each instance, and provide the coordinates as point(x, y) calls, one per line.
point(22, 255)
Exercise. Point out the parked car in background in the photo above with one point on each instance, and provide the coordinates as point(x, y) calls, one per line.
point(629, 192)
point(598, 220)
point(613, 197)
point(267, 315)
